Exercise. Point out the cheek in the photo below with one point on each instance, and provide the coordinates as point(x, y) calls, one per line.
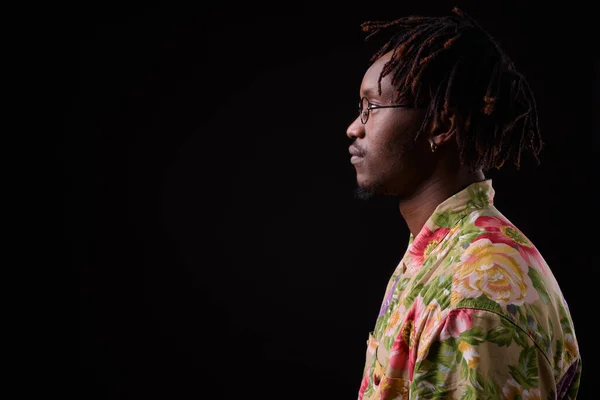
point(384, 162)
point(396, 150)
point(398, 135)
point(403, 159)
point(392, 146)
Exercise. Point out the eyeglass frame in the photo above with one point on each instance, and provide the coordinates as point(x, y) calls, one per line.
point(371, 106)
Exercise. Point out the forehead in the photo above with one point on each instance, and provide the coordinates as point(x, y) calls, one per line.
point(369, 85)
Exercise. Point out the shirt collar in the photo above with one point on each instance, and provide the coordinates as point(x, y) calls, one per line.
point(448, 213)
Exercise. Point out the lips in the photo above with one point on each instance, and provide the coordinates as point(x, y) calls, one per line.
point(357, 154)
point(355, 151)
point(356, 159)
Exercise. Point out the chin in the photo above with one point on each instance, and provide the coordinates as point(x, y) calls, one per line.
point(366, 191)
point(361, 193)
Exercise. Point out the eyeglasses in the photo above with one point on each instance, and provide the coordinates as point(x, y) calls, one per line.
point(365, 107)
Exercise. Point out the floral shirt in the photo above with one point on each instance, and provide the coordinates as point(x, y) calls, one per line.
point(472, 311)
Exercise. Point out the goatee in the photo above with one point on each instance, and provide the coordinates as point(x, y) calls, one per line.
point(361, 193)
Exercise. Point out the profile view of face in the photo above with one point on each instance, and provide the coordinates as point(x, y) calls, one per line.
point(387, 158)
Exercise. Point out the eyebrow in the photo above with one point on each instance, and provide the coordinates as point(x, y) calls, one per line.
point(370, 91)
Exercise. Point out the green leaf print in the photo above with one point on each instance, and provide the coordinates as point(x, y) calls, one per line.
point(443, 220)
point(464, 368)
point(517, 375)
point(447, 243)
point(444, 288)
point(467, 227)
point(500, 335)
point(410, 298)
point(470, 237)
point(381, 321)
point(432, 376)
point(452, 342)
point(459, 355)
point(493, 389)
point(479, 197)
point(439, 290)
point(565, 323)
point(482, 302)
point(437, 365)
point(558, 353)
point(430, 260)
point(521, 338)
point(449, 260)
point(538, 284)
point(469, 231)
point(529, 360)
point(430, 384)
point(388, 342)
point(523, 320)
point(402, 284)
point(421, 274)
point(448, 218)
point(561, 309)
point(430, 292)
point(477, 381)
point(473, 336)
point(469, 394)
point(443, 353)
point(526, 371)
point(507, 323)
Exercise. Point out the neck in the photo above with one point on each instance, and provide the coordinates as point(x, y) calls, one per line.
point(417, 208)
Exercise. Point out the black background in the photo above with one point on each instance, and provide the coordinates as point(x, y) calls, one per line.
point(210, 218)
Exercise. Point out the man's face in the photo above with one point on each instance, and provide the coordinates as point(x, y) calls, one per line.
point(390, 161)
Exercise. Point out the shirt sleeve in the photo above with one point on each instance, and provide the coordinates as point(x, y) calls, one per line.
point(477, 354)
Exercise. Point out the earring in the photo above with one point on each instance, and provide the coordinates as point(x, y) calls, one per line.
point(433, 146)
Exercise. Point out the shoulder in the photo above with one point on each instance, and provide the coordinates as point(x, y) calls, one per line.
point(487, 237)
point(496, 268)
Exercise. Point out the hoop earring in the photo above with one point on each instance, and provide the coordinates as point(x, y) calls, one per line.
point(433, 146)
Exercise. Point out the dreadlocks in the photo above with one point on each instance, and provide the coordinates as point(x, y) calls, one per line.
point(462, 70)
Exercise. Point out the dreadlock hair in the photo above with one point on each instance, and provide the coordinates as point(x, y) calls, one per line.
point(462, 70)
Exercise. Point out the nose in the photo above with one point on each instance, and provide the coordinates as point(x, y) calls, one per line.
point(356, 129)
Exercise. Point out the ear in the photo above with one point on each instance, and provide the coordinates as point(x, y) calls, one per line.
point(444, 129)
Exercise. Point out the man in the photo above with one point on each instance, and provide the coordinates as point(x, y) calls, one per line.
point(472, 311)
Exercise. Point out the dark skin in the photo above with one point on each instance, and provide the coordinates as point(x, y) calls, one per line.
point(393, 163)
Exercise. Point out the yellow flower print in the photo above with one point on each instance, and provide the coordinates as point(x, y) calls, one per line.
point(571, 350)
point(393, 323)
point(372, 346)
point(496, 270)
point(397, 389)
point(512, 390)
point(378, 373)
point(469, 353)
point(432, 319)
